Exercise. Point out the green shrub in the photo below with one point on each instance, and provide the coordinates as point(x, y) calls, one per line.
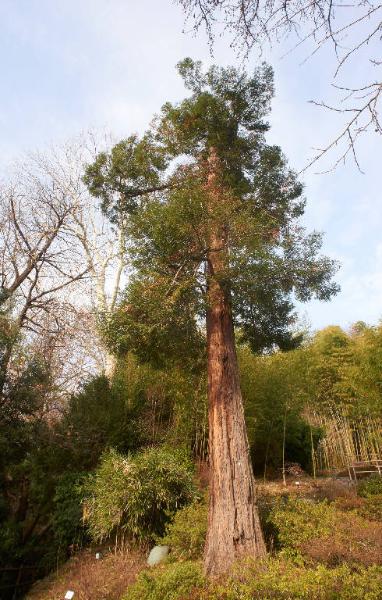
point(275, 579)
point(134, 497)
point(297, 521)
point(173, 581)
point(319, 532)
point(372, 486)
point(372, 508)
point(266, 503)
point(270, 579)
point(187, 532)
point(67, 521)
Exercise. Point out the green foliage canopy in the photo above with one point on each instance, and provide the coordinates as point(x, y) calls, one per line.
point(163, 191)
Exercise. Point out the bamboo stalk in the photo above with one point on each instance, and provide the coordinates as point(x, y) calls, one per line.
point(346, 439)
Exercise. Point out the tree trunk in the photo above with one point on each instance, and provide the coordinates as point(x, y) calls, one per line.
point(110, 364)
point(284, 439)
point(4, 364)
point(233, 522)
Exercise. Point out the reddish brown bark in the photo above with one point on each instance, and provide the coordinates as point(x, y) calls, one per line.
point(233, 522)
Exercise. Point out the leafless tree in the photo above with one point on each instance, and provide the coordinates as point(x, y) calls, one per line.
point(37, 260)
point(61, 263)
point(69, 344)
point(100, 242)
point(353, 30)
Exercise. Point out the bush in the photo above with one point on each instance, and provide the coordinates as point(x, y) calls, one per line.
point(284, 580)
point(372, 486)
point(169, 582)
point(297, 521)
point(335, 489)
point(270, 579)
point(134, 497)
point(101, 415)
point(187, 533)
point(369, 508)
point(351, 503)
point(67, 524)
point(266, 504)
point(372, 508)
point(322, 533)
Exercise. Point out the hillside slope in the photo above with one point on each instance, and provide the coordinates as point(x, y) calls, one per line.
point(91, 579)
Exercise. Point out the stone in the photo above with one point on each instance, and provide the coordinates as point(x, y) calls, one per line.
point(157, 555)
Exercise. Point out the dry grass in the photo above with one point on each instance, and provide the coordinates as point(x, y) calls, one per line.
point(91, 579)
point(306, 487)
point(357, 535)
point(334, 489)
point(354, 541)
point(295, 487)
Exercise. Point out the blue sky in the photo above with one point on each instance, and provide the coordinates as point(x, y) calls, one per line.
point(68, 66)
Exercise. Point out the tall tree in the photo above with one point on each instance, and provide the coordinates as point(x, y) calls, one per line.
point(214, 239)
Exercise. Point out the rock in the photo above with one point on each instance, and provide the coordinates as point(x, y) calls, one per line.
point(157, 555)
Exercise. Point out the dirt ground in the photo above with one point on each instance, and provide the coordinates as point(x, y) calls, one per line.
point(306, 486)
point(89, 578)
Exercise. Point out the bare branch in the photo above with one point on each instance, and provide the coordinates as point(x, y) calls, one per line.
point(348, 27)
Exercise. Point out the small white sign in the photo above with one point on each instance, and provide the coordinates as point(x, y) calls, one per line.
point(69, 595)
point(98, 555)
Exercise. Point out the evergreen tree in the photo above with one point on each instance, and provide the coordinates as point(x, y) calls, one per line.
point(214, 238)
